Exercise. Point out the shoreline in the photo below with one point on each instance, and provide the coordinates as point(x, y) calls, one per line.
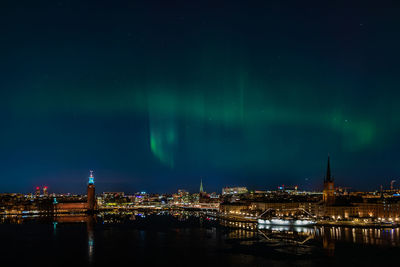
point(242, 219)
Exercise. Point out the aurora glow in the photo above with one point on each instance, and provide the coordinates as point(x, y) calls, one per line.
point(156, 96)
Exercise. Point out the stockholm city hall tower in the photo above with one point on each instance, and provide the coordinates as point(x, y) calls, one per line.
point(91, 197)
point(329, 187)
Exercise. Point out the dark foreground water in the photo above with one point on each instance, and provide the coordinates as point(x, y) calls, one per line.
point(186, 239)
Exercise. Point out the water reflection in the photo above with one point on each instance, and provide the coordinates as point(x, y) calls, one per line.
point(328, 237)
point(329, 246)
point(90, 222)
point(366, 236)
point(90, 231)
point(244, 233)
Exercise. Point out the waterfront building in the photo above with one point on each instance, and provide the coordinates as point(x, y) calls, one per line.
point(358, 206)
point(383, 209)
point(65, 205)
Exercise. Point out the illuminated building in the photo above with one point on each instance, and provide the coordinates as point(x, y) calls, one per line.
point(234, 190)
point(61, 206)
point(113, 194)
point(362, 208)
point(45, 193)
point(37, 192)
point(329, 189)
point(91, 198)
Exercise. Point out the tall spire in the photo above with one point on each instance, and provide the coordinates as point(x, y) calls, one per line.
point(328, 177)
point(201, 186)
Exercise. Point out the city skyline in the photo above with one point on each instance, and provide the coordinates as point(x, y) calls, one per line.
point(204, 133)
point(158, 95)
point(327, 178)
point(305, 186)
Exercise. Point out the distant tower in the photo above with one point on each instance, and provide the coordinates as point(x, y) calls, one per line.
point(201, 186)
point(91, 198)
point(329, 188)
point(37, 192)
point(45, 193)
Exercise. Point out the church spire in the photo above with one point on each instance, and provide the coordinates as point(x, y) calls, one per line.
point(328, 177)
point(329, 186)
point(201, 186)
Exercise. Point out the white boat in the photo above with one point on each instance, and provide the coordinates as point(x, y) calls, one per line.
point(290, 222)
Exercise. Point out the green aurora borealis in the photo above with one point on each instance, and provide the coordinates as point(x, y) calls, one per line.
point(237, 95)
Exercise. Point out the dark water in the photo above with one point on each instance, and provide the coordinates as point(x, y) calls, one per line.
point(186, 239)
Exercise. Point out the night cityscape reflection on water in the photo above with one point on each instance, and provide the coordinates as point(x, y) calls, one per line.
point(182, 236)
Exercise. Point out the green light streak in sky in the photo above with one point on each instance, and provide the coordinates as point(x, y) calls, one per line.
point(162, 127)
point(235, 105)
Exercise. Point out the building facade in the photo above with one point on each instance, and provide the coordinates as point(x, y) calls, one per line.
point(89, 206)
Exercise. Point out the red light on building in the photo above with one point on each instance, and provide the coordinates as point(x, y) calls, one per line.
point(37, 187)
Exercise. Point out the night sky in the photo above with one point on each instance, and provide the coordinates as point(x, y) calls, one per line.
point(155, 95)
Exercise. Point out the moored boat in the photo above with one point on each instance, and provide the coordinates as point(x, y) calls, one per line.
point(290, 222)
